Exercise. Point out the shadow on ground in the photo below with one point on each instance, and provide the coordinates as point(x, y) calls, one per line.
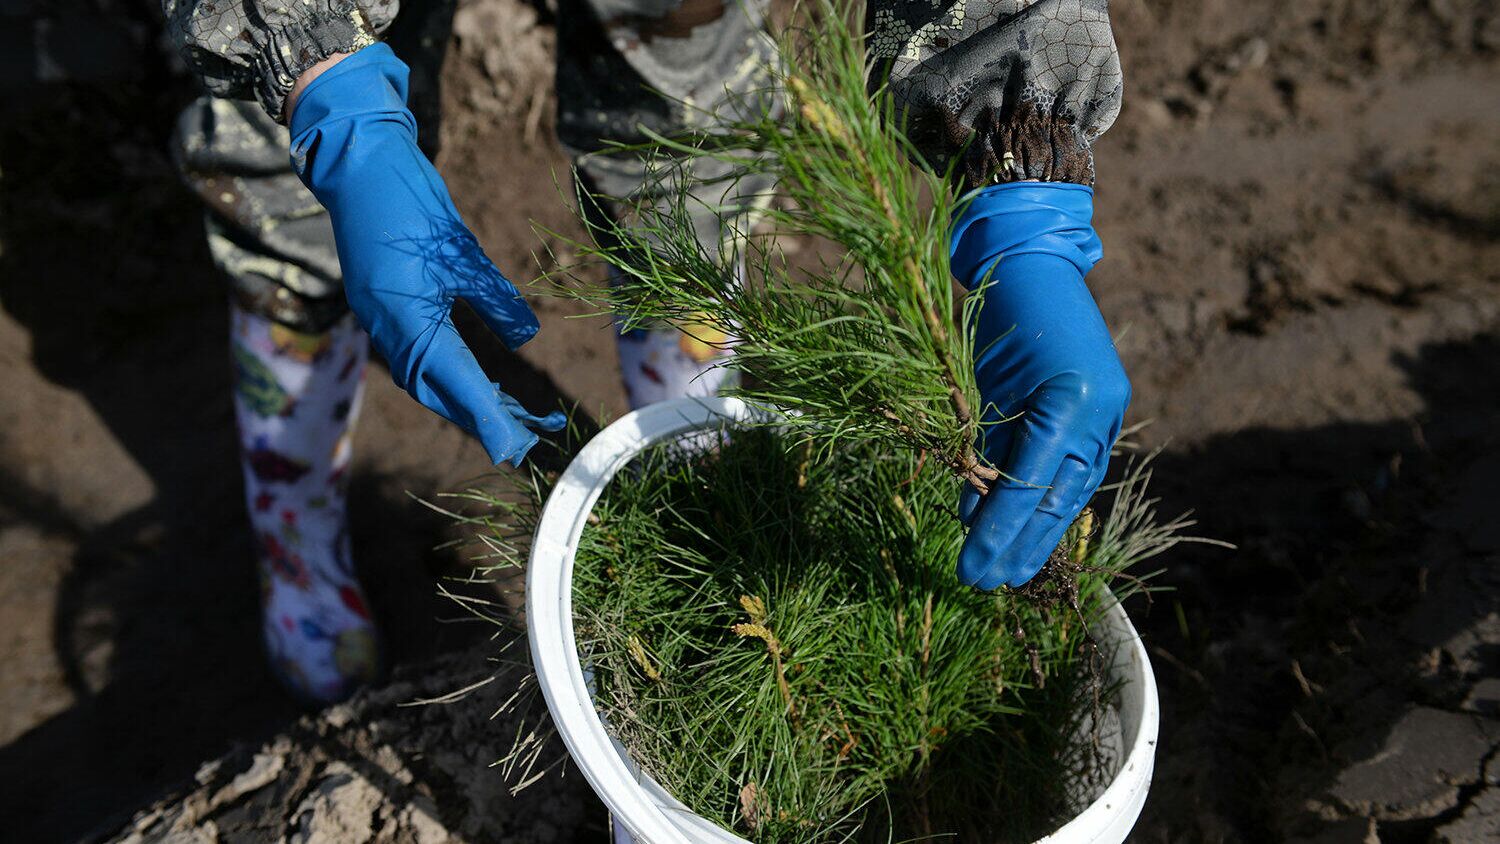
point(1327, 675)
point(155, 626)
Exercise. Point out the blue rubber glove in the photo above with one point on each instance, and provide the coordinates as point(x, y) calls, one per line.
point(405, 253)
point(1043, 356)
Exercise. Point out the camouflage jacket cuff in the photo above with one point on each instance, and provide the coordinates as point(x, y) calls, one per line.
point(289, 49)
point(1027, 144)
point(1001, 90)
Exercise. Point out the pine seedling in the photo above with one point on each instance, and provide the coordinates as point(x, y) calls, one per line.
point(863, 347)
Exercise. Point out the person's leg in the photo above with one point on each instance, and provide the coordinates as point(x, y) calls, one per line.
point(298, 363)
point(628, 65)
point(299, 360)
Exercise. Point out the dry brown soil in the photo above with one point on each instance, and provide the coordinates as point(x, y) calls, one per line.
point(1301, 210)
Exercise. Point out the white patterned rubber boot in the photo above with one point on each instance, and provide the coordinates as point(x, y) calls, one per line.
point(296, 400)
point(661, 363)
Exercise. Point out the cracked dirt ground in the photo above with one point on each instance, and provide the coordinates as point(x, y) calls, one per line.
point(1300, 206)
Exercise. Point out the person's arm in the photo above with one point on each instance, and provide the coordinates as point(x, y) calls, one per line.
point(259, 49)
point(1011, 95)
point(405, 253)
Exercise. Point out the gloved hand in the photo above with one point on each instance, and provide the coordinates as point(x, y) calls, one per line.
point(405, 253)
point(1043, 356)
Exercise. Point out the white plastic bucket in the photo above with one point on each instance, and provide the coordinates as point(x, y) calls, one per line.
point(638, 803)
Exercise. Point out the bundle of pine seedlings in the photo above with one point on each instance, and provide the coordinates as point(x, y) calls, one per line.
point(772, 621)
point(781, 643)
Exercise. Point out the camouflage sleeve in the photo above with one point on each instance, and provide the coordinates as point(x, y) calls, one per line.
point(1006, 90)
point(257, 48)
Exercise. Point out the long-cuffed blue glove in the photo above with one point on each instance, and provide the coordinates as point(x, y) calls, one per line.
point(1052, 384)
point(405, 253)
